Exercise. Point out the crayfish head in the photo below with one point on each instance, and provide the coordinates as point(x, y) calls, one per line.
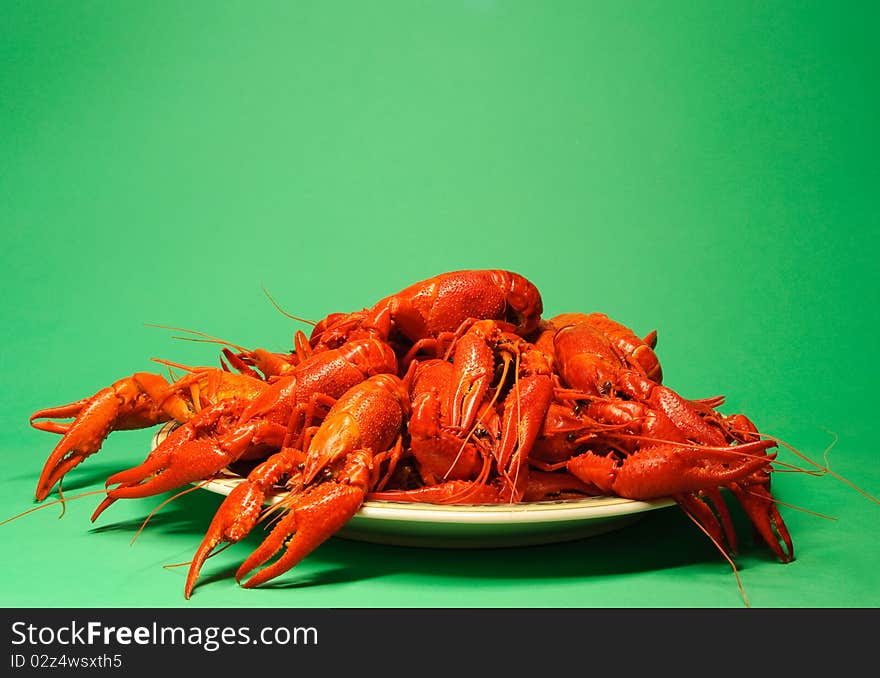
point(524, 304)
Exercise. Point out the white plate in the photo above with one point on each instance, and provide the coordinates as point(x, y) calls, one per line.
point(473, 526)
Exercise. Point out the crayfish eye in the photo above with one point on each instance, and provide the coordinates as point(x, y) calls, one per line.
point(605, 387)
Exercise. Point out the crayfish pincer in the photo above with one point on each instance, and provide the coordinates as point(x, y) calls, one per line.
point(339, 468)
point(452, 390)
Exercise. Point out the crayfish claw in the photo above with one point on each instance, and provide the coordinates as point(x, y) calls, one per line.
point(94, 420)
point(241, 509)
point(317, 514)
point(123, 405)
point(708, 509)
point(59, 412)
point(233, 521)
point(192, 452)
point(763, 512)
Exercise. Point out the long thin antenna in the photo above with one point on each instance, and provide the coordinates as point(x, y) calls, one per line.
point(51, 503)
point(172, 498)
point(207, 338)
point(285, 313)
point(723, 552)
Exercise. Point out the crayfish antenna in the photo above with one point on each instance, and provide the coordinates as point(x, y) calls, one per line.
point(285, 313)
point(723, 552)
point(821, 469)
point(794, 507)
point(61, 497)
point(198, 337)
point(213, 553)
point(61, 500)
point(165, 503)
point(186, 368)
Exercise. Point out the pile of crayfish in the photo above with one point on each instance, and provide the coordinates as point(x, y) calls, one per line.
point(453, 390)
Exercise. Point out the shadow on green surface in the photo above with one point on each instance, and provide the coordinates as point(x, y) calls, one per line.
point(172, 521)
point(662, 539)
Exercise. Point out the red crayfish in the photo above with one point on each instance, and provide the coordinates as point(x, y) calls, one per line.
point(453, 390)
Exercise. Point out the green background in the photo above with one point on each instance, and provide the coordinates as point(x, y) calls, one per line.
point(705, 169)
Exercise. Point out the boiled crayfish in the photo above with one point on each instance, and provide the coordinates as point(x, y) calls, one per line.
point(453, 390)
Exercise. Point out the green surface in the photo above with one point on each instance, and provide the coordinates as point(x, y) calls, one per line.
point(705, 169)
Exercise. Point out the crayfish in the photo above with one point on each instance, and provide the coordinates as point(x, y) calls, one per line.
point(453, 390)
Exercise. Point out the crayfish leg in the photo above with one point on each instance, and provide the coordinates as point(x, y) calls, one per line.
point(709, 510)
point(95, 418)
